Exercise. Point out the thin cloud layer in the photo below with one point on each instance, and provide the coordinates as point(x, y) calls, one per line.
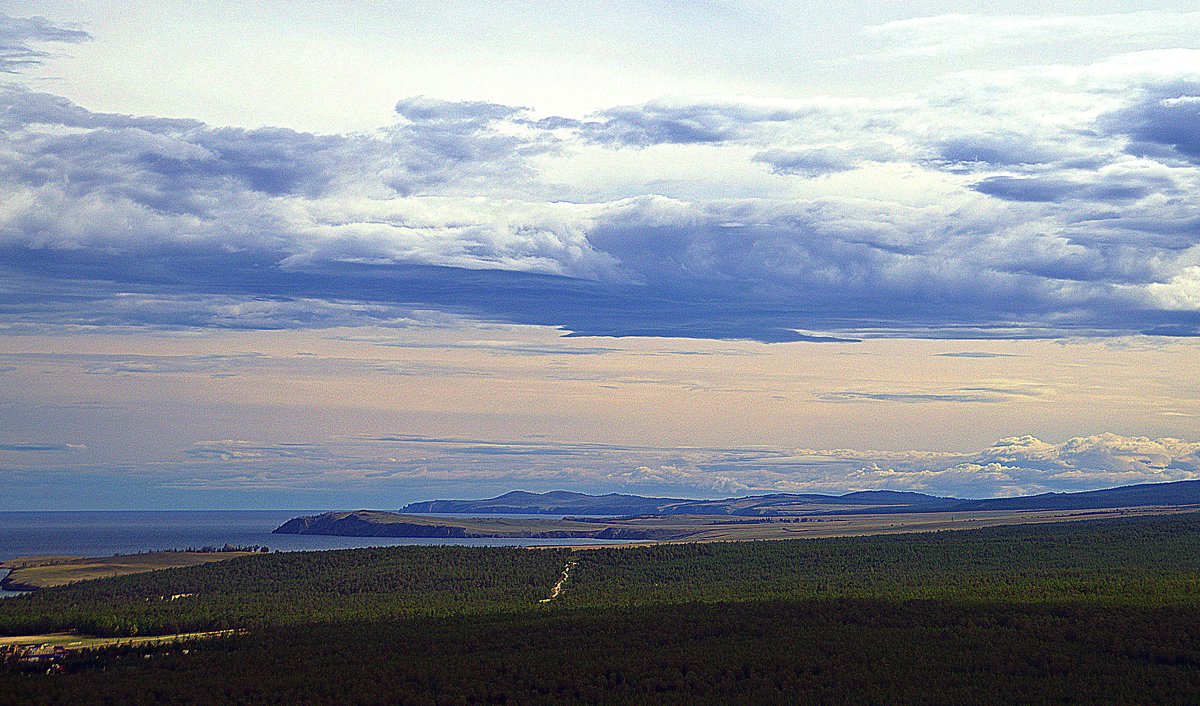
point(964, 33)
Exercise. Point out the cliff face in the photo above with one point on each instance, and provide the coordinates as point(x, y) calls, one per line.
point(296, 525)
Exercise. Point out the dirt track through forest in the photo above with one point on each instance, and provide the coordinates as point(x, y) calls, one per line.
point(558, 587)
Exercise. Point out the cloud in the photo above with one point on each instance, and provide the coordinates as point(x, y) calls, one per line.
point(910, 397)
point(991, 206)
point(410, 467)
point(666, 122)
point(439, 143)
point(961, 33)
point(241, 365)
point(1165, 122)
point(817, 161)
point(1181, 293)
point(498, 348)
point(237, 451)
point(40, 448)
point(1040, 189)
point(1027, 464)
point(155, 309)
point(120, 365)
point(422, 109)
point(1003, 150)
point(1013, 466)
point(19, 35)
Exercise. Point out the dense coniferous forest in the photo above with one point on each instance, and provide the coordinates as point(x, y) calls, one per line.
point(294, 588)
point(1088, 612)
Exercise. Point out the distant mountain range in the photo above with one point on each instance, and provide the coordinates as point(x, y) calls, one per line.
point(777, 516)
point(561, 502)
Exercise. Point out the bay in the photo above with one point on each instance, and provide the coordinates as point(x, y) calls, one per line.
point(108, 532)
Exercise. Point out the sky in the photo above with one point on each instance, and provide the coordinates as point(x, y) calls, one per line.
point(256, 255)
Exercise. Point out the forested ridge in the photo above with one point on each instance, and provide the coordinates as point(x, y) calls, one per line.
point(1094, 612)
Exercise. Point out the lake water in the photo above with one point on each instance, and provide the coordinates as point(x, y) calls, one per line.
point(103, 533)
point(4, 593)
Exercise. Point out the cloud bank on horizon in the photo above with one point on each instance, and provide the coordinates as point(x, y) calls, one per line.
point(1006, 203)
point(408, 468)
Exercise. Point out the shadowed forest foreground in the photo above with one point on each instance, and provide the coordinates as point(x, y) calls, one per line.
point(1106, 611)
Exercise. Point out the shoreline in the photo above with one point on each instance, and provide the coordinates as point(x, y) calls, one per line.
point(7, 585)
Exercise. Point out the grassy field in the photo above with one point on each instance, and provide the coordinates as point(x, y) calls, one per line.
point(77, 641)
point(30, 573)
point(24, 561)
point(705, 528)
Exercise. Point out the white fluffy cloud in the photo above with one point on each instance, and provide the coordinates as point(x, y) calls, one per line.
point(1022, 465)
